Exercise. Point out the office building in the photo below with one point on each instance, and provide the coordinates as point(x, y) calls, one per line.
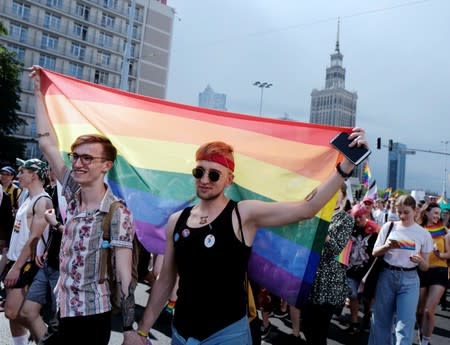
point(87, 40)
point(213, 100)
point(334, 105)
point(396, 166)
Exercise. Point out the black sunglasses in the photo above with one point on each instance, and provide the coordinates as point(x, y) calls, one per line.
point(213, 175)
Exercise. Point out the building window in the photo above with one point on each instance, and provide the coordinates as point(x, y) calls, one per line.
point(76, 70)
point(134, 32)
point(20, 52)
point(49, 42)
point(137, 12)
point(105, 40)
point(80, 30)
point(110, 3)
point(47, 61)
point(18, 32)
point(51, 21)
point(78, 50)
point(101, 77)
point(108, 20)
point(103, 58)
point(55, 3)
point(82, 11)
point(21, 10)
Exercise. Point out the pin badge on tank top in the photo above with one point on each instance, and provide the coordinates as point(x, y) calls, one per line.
point(185, 233)
point(209, 241)
point(176, 237)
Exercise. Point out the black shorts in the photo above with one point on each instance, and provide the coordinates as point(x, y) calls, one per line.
point(27, 273)
point(434, 276)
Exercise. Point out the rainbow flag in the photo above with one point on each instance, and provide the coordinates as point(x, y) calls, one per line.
point(276, 160)
point(387, 193)
point(437, 230)
point(366, 175)
point(344, 255)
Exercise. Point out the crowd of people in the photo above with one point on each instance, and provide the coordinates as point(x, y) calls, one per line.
point(52, 250)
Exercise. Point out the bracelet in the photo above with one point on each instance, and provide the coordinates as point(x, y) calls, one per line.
point(142, 333)
point(341, 172)
point(40, 135)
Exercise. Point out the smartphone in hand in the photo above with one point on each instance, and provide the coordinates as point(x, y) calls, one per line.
point(354, 154)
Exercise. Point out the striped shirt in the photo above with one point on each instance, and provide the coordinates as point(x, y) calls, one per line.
point(78, 290)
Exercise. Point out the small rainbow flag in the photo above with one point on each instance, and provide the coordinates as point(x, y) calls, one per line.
point(276, 160)
point(437, 230)
point(366, 175)
point(344, 255)
point(387, 193)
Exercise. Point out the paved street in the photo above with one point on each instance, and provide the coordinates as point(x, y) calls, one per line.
point(337, 335)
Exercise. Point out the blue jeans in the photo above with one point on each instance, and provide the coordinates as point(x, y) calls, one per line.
point(396, 298)
point(237, 333)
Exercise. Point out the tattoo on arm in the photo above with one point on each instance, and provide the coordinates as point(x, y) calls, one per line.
point(311, 195)
point(127, 304)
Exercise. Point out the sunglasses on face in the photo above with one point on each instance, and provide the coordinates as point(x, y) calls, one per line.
point(213, 175)
point(84, 159)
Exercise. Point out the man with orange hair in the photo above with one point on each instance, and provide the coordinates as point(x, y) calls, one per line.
point(208, 246)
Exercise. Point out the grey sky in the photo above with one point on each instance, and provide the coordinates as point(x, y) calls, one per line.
point(396, 55)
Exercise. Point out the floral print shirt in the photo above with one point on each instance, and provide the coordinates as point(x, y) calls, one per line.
point(330, 284)
point(78, 290)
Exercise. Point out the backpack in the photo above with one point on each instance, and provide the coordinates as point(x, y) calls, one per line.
point(106, 269)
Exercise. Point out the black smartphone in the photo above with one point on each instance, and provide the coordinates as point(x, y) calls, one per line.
point(354, 154)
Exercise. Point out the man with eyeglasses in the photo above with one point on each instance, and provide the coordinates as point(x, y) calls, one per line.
point(83, 302)
point(208, 246)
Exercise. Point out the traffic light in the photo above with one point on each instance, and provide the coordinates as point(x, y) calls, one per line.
point(378, 143)
point(390, 145)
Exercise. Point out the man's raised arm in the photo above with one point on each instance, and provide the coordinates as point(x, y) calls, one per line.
point(44, 131)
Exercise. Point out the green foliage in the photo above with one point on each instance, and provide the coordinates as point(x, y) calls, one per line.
point(10, 121)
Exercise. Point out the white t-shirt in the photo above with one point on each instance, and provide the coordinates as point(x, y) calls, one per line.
point(412, 240)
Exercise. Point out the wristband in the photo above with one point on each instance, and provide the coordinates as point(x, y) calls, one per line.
point(341, 172)
point(40, 135)
point(142, 333)
point(127, 328)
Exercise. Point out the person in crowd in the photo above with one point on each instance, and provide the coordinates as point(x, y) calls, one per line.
point(330, 287)
point(368, 202)
point(434, 281)
point(41, 292)
point(29, 225)
point(84, 302)
point(201, 238)
point(397, 292)
point(364, 235)
point(392, 210)
point(379, 213)
point(7, 175)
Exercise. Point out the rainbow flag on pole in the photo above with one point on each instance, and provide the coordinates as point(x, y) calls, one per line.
point(366, 175)
point(156, 140)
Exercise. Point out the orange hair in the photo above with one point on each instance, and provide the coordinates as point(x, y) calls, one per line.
point(208, 152)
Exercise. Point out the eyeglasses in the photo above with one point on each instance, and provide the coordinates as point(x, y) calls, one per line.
point(85, 159)
point(213, 175)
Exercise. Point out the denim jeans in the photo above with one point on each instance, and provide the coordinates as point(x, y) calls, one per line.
point(237, 333)
point(396, 298)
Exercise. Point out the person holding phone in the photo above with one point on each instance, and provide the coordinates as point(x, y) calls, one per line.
point(403, 250)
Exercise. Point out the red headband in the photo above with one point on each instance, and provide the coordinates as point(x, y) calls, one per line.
point(221, 160)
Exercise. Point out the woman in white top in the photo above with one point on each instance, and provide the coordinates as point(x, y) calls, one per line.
point(406, 248)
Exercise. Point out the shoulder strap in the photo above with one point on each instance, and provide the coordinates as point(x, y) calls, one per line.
point(389, 231)
point(183, 217)
point(239, 221)
point(105, 260)
point(40, 197)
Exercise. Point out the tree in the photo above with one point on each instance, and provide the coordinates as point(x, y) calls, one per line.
point(10, 69)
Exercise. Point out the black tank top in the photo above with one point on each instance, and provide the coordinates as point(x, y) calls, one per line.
point(211, 263)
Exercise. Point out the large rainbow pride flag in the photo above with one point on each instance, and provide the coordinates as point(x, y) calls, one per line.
point(276, 160)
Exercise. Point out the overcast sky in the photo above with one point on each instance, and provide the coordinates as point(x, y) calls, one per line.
point(396, 55)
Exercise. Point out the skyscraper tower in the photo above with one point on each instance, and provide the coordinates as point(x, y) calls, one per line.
point(334, 105)
point(211, 99)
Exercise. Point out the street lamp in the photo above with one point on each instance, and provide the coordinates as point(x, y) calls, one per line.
point(444, 185)
point(262, 86)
